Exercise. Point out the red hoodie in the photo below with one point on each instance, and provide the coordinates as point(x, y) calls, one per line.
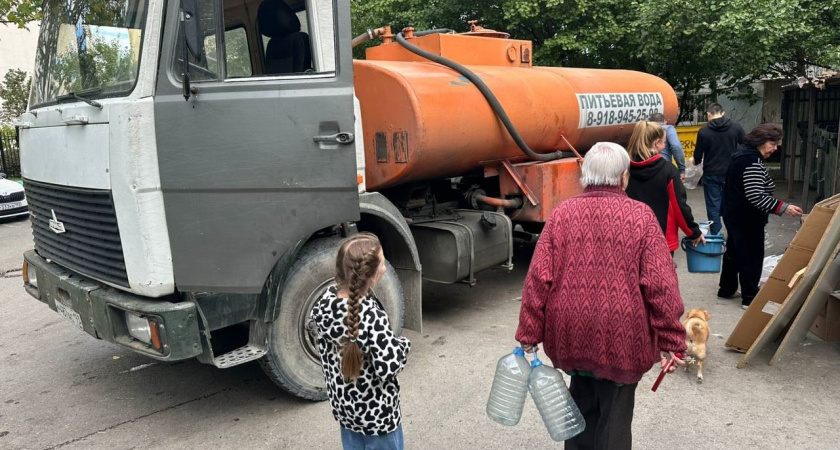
point(656, 183)
point(601, 293)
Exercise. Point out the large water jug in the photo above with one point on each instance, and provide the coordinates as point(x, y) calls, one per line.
point(554, 402)
point(510, 388)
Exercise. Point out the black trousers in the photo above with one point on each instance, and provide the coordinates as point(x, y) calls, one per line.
point(608, 412)
point(742, 261)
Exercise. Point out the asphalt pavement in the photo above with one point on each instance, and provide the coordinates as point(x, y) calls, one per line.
point(60, 388)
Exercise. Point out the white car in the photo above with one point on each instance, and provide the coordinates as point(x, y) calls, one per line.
point(12, 199)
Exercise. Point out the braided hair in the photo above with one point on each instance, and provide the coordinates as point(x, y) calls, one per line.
point(355, 266)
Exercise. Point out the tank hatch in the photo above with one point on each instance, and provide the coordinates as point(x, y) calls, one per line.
point(479, 46)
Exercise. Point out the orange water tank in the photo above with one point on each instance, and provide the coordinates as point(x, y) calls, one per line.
point(422, 120)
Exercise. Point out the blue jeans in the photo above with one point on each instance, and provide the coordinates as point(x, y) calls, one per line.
point(713, 191)
point(351, 440)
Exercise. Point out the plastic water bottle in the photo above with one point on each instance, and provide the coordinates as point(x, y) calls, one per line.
point(554, 402)
point(510, 388)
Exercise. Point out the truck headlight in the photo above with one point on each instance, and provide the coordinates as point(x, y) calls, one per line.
point(30, 275)
point(143, 329)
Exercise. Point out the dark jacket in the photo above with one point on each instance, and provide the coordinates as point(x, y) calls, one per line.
point(657, 184)
point(748, 191)
point(716, 142)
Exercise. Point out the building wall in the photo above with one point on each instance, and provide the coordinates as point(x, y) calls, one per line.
point(772, 111)
point(17, 48)
point(741, 111)
point(747, 113)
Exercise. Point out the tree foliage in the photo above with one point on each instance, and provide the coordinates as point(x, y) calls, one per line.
point(19, 12)
point(720, 44)
point(727, 44)
point(14, 90)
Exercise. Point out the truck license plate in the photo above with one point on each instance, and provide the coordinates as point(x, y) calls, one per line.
point(12, 205)
point(66, 312)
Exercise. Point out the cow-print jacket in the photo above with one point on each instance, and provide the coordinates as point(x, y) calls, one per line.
point(371, 404)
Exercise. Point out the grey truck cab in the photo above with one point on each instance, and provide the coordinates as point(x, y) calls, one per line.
point(190, 168)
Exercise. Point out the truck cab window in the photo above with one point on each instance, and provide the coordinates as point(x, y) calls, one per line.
point(90, 48)
point(288, 49)
point(278, 37)
point(237, 53)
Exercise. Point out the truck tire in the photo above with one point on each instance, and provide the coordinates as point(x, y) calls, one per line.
point(292, 361)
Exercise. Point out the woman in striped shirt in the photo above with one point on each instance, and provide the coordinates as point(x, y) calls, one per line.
point(747, 203)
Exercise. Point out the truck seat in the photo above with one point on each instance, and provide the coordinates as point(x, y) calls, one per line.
point(288, 49)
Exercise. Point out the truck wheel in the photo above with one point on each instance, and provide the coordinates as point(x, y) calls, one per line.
point(293, 361)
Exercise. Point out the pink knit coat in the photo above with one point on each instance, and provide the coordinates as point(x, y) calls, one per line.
point(601, 294)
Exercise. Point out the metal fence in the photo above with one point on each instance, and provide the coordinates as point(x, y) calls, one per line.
point(10, 153)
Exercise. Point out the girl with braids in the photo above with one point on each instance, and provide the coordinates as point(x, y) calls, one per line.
point(360, 355)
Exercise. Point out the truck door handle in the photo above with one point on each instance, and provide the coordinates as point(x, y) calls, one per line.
point(337, 138)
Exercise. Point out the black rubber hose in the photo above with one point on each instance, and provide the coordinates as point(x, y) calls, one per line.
point(488, 94)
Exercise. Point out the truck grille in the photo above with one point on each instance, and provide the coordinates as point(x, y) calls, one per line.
point(91, 243)
point(13, 197)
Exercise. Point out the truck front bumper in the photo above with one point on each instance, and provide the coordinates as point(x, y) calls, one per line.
point(102, 311)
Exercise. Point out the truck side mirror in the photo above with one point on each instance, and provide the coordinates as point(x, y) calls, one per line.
point(193, 42)
point(192, 30)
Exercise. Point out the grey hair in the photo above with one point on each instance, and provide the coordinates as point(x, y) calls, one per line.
point(604, 165)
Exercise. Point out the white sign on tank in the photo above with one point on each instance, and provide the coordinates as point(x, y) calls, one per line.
point(609, 109)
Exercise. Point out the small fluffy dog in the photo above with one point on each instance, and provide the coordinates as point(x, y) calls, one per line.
point(696, 336)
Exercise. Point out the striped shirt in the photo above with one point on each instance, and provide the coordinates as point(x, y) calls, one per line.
point(748, 191)
point(759, 188)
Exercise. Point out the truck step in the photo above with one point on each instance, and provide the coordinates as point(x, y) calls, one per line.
point(239, 356)
point(256, 348)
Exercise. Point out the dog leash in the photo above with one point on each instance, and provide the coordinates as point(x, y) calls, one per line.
point(665, 370)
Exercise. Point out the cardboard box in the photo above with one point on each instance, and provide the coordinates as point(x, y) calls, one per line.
point(827, 325)
point(774, 293)
point(814, 227)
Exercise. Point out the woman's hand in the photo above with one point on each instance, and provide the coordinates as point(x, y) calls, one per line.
point(793, 211)
point(529, 348)
point(670, 355)
point(698, 241)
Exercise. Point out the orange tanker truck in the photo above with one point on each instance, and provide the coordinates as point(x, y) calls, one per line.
point(190, 205)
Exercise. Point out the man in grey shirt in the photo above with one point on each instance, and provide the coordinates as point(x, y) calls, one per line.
point(673, 149)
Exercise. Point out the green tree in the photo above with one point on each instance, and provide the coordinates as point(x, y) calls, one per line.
point(579, 33)
point(720, 44)
point(723, 45)
point(727, 44)
point(19, 12)
point(14, 90)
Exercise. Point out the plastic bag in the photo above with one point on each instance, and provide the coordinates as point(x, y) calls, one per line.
point(767, 268)
point(692, 174)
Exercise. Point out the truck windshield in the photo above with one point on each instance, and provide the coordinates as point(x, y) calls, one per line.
point(90, 48)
